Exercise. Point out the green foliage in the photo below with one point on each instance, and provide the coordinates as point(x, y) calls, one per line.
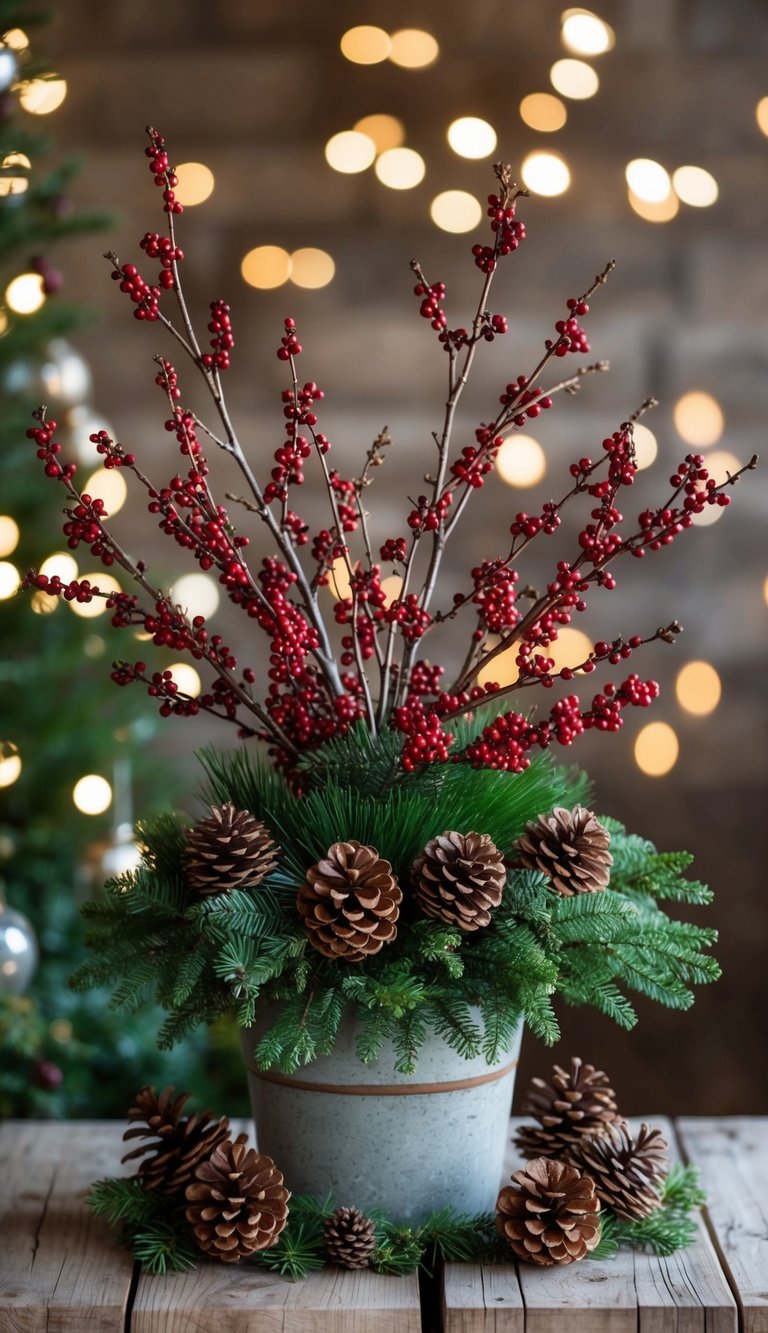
point(668, 1228)
point(152, 1225)
point(246, 952)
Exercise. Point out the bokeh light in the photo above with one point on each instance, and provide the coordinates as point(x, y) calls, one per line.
point(546, 174)
point(42, 96)
point(60, 565)
point(10, 580)
point(366, 45)
point(456, 211)
point(108, 486)
point(574, 79)
point(187, 679)
point(543, 112)
point(266, 266)
point(648, 180)
point(761, 114)
point(10, 763)
point(195, 183)
point(98, 606)
point(503, 670)
point(43, 603)
point(196, 593)
point(24, 294)
point(469, 136)
point(521, 461)
point(695, 186)
point(583, 32)
point(400, 168)
point(656, 749)
point(391, 586)
point(646, 446)
point(92, 794)
point(571, 647)
point(349, 151)
point(413, 48)
point(9, 534)
point(16, 38)
point(720, 463)
point(698, 688)
point(385, 131)
point(339, 580)
point(11, 182)
point(311, 267)
point(698, 418)
point(664, 211)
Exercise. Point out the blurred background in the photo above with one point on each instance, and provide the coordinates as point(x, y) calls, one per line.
point(322, 147)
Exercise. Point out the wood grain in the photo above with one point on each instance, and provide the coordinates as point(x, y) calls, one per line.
point(243, 1298)
point(633, 1293)
point(732, 1155)
point(60, 1269)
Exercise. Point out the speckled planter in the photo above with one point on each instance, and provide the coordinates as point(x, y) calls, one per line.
point(405, 1143)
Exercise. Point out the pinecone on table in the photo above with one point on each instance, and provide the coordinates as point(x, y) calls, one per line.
point(570, 847)
point(180, 1142)
point(350, 902)
point(460, 878)
point(550, 1215)
point(229, 850)
point(577, 1103)
point(628, 1172)
point(350, 1238)
point(237, 1203)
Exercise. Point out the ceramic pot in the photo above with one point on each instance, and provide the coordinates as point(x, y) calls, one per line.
point(405, 1143)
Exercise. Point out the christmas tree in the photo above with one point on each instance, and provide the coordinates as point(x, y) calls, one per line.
point(61, 1054)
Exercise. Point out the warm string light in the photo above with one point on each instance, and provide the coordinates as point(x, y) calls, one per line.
point(400, 168)
point(585, 33)
point(10, 764)
point(574, 79)
point(664, 211)
point(42, 96)
point(698, 418)
point(656, 749)
point(92, 794)
point(543, 112)
point(698, 688)
point(196, 593)
point(349, 152)
point(546, 174)
point(646, 446)
point(195, 183)
point(471, 137)
point(9, 535)
point(410, 48)
point(187, 679)
point(60, 565)
point(521, 461)
point(456, 211)
point(648, 180)
point(695, 186)
point(385, 131)
point(24, 294)
point(10, 580)
point(108, 486)
point(270, 266)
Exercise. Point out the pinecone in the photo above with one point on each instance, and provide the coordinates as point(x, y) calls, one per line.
point(181, 1142)
point(628, 1173)
point(237, 1203)
point(576, 1104)
point(551, 1215)
point(350, 902)
point(350, 1238)
point(459, 878)
point(230, 850)
point(571, 847)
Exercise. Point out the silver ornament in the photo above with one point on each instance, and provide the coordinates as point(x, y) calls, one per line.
point(9, 68)
point(18, 951)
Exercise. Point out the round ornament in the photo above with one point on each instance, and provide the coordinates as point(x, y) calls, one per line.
point(9, 68)
point(60, 377)
point(18, 951)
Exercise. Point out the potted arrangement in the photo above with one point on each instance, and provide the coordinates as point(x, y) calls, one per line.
point(391, 873)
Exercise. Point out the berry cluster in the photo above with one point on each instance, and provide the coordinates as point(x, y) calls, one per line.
point(316, 691)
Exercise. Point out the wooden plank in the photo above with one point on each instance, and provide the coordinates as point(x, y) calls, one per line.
point(244, 1298)
point(60, 1269)
point(633, 1293)
point(732, 1155)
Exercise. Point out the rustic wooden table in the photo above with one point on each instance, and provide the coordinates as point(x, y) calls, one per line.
point(60, 1270)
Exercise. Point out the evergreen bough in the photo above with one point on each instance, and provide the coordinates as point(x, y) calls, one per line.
point(154, 938)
